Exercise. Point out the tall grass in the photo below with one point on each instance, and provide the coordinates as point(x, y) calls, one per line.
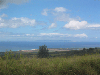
point(76, 65)
point(11, 55)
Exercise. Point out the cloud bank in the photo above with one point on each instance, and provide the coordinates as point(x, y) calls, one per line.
point(2, 34)
point(63, 35)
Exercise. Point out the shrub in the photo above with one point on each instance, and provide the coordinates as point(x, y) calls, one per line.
point(43, 52)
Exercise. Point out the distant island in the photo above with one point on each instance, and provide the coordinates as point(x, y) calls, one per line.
point(53, 41)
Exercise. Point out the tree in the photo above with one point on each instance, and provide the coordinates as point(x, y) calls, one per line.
point(43, 52)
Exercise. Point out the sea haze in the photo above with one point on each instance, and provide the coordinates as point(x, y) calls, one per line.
point(15, 46)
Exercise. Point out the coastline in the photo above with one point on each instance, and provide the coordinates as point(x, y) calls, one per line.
point(50, 49)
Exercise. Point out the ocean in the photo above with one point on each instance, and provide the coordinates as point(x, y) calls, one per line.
point(15, 46)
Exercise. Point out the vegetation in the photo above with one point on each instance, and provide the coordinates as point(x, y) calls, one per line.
point(43, 52)
point(11, 55)
point(17, 64)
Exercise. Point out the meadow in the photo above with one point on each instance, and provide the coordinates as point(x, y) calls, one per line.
point(87, 64)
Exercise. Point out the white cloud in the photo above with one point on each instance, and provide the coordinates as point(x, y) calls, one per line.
point(3, 15)
point(63, 35)
point(22, 35)
point(96, 37)
point(4, 3)
point(17, 22)
point(57, 9)
point(51, 34)
point(29, 34)
point(53, 25)
point(59, 13)
point(41, 36)
point(63, 17)
point(44, 12)
point(80, 35)
point(76, 24)
point(15, 35)
point(95, 25)
point(60, 9)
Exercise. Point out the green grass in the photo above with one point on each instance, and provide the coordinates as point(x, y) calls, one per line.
point(76, 65)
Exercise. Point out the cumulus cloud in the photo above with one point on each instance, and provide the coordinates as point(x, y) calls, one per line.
point(60, 9)
point(59, 14)
point(75, 24)
point(53, 25)
point(3, 3)
point(44, 12)
point(16, 22)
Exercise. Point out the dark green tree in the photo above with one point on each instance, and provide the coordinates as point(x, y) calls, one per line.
point(43, 52)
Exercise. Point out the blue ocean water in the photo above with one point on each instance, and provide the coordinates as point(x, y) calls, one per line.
point(15, 46)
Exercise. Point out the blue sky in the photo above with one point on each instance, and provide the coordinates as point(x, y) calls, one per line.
point(31, 20)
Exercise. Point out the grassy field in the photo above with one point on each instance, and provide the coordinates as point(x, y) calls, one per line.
point(72, 65)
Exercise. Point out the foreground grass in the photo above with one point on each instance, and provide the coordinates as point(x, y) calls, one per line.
point(76, 65)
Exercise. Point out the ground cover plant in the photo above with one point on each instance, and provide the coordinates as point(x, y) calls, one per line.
point(72, 65)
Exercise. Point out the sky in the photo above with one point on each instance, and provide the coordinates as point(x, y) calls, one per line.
point(31, 20)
